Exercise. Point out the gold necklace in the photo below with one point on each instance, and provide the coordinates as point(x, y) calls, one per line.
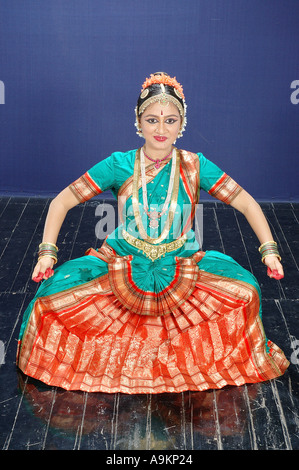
point(172, 207)
point(155, 215)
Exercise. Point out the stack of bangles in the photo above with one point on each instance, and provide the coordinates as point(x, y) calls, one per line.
point(48, 249)
point(269, 248)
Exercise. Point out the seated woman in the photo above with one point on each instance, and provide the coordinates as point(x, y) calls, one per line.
point(149, 312)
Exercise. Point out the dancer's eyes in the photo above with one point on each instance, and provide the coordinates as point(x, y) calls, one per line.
point(168, 121)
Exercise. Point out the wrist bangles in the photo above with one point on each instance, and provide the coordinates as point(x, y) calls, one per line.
point(48, 249)
point(269, 248)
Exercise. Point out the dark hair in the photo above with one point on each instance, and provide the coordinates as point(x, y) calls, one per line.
point(153, 93)
point(155, 89)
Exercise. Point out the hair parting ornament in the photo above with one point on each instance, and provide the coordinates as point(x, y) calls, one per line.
point(161, 88)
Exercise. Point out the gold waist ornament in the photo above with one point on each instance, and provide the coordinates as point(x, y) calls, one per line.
point(154, 252)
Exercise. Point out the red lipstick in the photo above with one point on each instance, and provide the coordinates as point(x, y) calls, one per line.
point(160, 138)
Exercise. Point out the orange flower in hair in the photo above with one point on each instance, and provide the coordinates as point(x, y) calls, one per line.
point(165, 80)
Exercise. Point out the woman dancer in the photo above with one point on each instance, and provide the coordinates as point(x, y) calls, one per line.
point(149, 312)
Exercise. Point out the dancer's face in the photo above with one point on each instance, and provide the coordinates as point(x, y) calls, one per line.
point(160, 126)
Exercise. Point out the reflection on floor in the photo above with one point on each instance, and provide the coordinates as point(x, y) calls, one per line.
point(257, 416)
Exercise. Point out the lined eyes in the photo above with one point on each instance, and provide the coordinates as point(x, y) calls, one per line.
point(167, 121)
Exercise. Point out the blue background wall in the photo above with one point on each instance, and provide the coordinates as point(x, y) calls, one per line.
point(72, 71)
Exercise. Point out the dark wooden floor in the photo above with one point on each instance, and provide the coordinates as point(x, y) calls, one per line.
point(259, 416)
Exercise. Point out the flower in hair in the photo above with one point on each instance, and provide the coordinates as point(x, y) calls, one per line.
point(165, 80)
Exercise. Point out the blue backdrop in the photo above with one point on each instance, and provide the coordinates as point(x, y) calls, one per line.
point(70, 73)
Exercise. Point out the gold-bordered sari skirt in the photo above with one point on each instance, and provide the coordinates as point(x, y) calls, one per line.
point(89, 337)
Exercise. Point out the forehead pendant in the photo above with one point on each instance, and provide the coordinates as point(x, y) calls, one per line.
point(164, 101)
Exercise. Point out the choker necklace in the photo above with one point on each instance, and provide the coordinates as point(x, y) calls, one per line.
point(158, 161)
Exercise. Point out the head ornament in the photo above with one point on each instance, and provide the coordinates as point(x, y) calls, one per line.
point(169, 91)
point(161, 77)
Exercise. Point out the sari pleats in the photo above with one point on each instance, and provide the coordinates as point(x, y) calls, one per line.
point(213, 339)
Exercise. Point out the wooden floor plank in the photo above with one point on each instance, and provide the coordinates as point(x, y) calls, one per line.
point(205, 430)
point(21, 242)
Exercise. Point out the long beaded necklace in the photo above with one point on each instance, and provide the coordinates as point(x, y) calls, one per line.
point(157, 162)
point(173, 202)
point(155, 215)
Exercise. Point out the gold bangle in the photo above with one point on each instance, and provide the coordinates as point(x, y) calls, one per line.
point(273, 254)
point(48, 243)
point(267, 243)
point(49, 256)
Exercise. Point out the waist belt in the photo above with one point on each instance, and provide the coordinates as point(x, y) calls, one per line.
point(154, 251)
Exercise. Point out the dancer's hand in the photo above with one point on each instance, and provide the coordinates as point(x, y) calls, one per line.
point(275, 269)
point(43, 269)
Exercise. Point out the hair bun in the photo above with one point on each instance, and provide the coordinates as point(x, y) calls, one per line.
point(161, 73)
